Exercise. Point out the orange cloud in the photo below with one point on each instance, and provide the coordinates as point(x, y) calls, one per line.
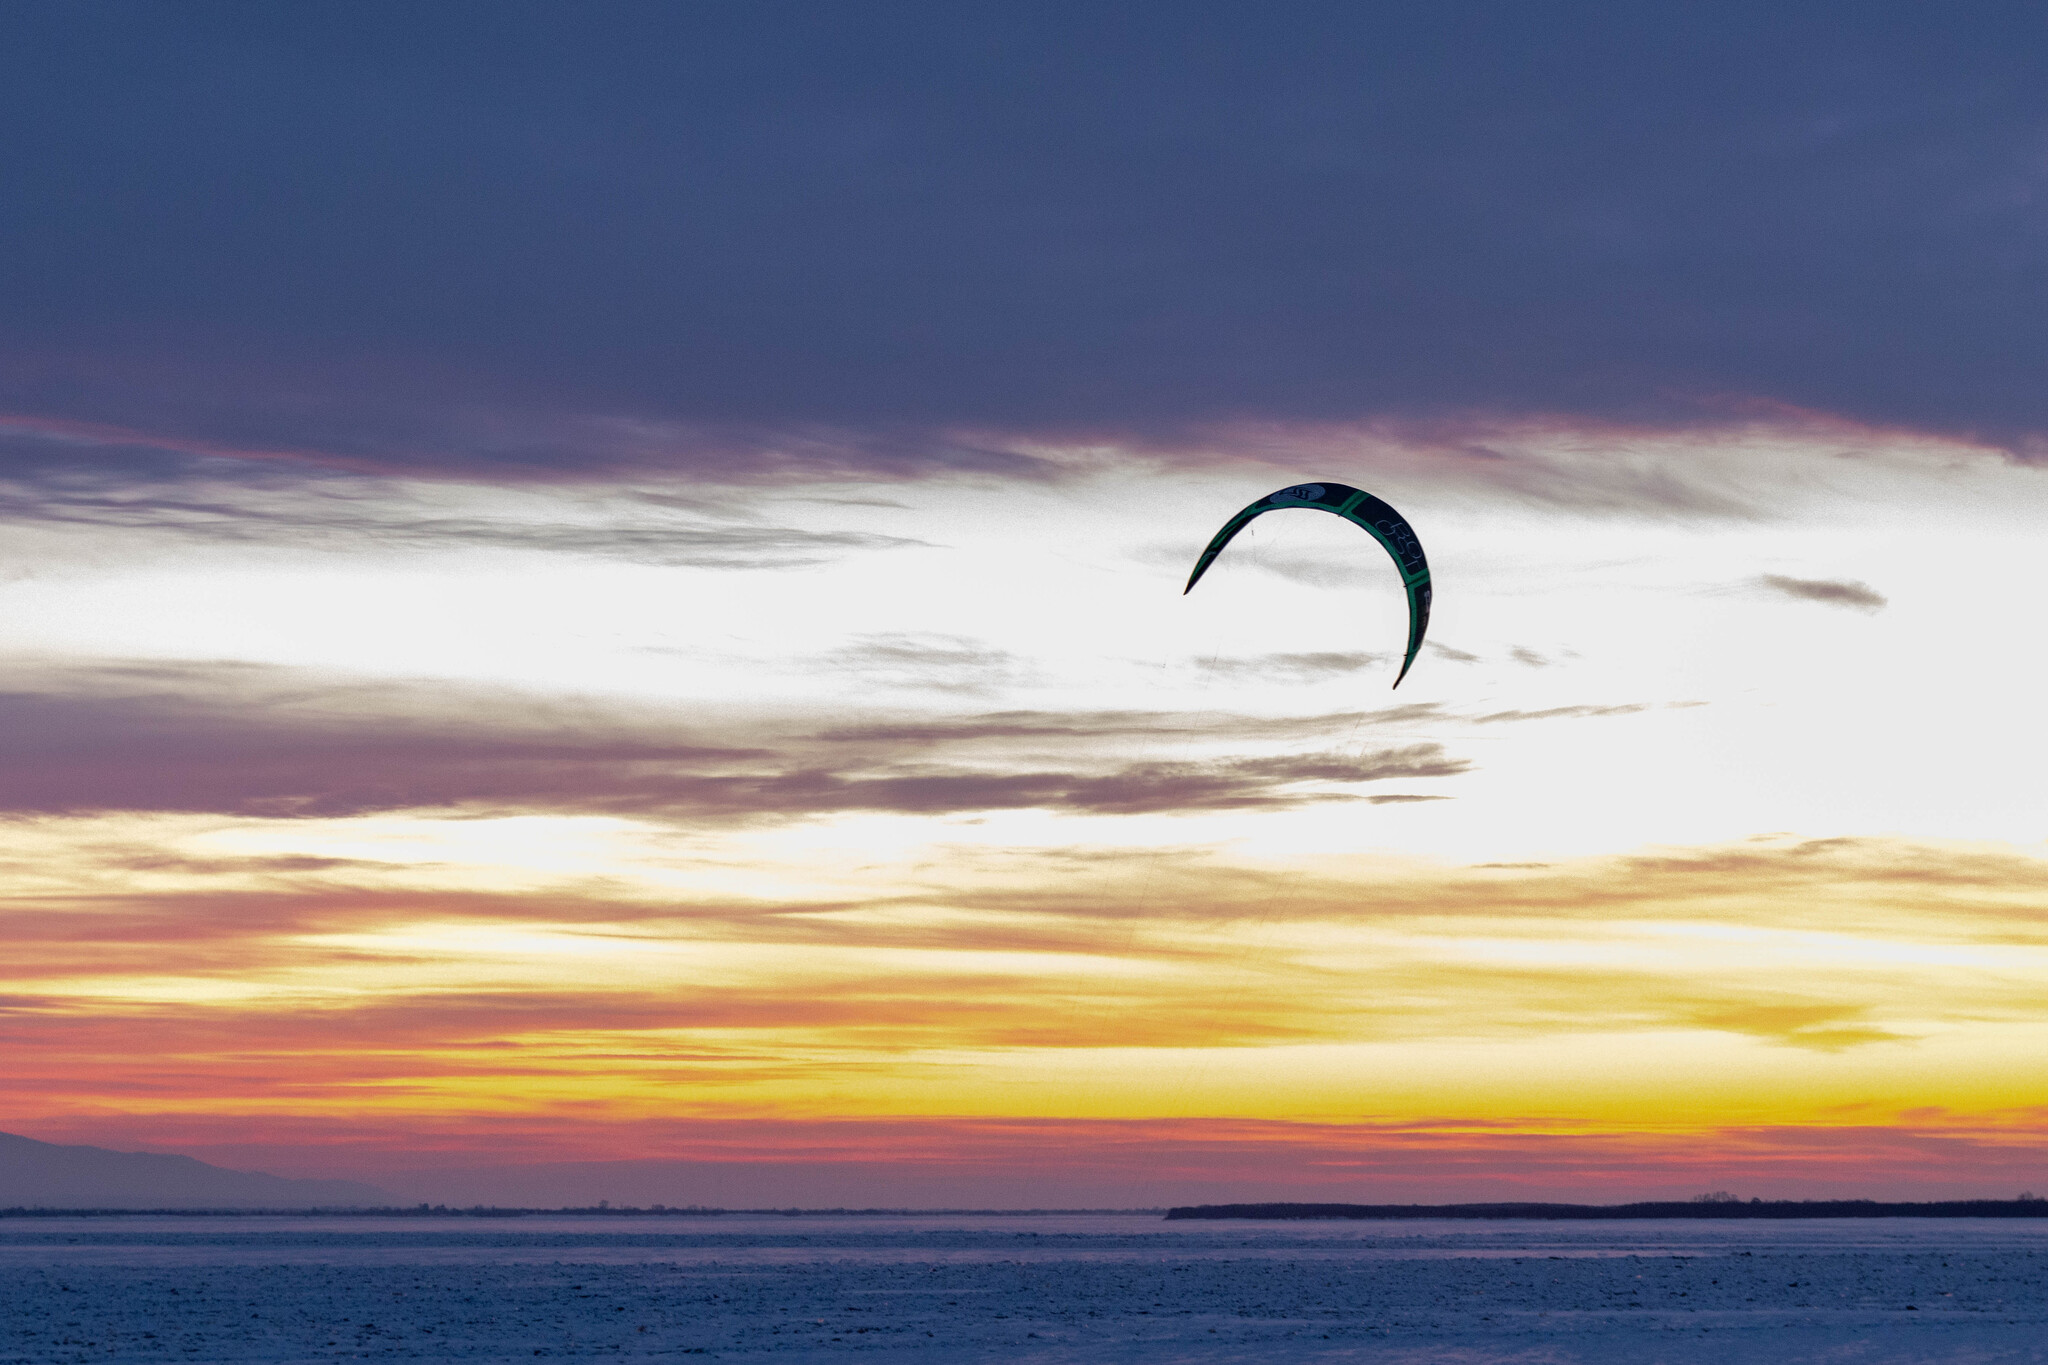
point(1768, 982)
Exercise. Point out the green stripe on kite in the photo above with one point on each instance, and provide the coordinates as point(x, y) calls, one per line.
point(1361, 509)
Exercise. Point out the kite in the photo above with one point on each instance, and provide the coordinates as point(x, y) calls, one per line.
point(1355, 505)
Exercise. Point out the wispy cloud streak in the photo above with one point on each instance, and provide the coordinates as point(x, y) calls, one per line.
point(1827, 591)
point(138, 739)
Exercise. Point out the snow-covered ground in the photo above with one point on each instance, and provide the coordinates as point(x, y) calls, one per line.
point(1037, 1288)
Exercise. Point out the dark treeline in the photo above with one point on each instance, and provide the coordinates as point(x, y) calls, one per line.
point(1693, 1208)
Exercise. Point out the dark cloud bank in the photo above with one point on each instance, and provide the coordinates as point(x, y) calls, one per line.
point(531, 240)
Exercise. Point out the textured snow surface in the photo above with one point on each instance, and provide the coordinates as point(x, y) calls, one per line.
point(980, 1288)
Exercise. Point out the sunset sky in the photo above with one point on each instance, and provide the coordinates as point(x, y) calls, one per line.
point(591, 599)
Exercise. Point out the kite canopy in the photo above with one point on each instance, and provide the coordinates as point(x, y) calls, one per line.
point(1361, 508)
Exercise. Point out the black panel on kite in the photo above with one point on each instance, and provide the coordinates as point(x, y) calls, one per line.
point(1361, 508)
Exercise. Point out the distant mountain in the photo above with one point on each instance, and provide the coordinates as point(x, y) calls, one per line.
point(45, 1175)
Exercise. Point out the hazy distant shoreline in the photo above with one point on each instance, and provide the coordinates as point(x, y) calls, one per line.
point(1691, 1208)
point(1688, 1209)
point(597, 1211)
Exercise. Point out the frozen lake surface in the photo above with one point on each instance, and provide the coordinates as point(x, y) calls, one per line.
point(1021, 1288)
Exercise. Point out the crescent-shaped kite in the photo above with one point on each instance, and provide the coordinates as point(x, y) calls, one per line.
point(1361, 508)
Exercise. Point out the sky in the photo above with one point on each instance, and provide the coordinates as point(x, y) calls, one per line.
point(591, 599)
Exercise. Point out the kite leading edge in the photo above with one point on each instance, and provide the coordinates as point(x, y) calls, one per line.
point(1360, 508)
